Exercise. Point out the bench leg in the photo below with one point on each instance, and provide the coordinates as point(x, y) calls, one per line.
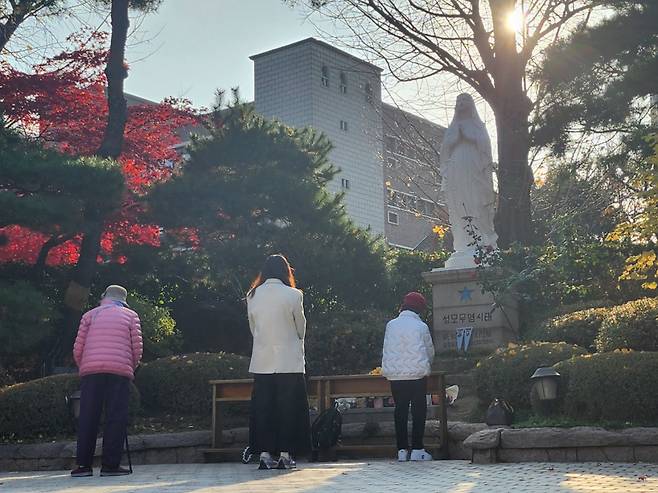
point(217, 426)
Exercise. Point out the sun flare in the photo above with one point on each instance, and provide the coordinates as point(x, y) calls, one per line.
point(515, 20)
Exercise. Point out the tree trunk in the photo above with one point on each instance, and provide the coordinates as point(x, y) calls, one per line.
point(512, 108)
point(77, 292)
point(40, 264)
point(513, 221)
point(8, 28)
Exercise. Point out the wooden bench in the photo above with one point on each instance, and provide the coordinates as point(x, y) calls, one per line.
point(325, 389)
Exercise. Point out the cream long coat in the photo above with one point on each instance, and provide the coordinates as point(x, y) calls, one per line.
point(278, 324)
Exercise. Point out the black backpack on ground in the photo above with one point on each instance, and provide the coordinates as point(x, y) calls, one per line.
point(326, 429)
point(499, 413)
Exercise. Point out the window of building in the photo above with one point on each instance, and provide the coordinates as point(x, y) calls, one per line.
point(343, 83)
point(368, 90)
point(325, 76)
point(393, 218)
point(411, 203)
point(345, 183)
point(343, 125)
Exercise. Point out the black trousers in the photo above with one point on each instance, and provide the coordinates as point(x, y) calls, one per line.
point(412, 392)
point(98, 391)
point(279, 419)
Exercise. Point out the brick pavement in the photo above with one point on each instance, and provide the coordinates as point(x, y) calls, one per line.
point(353, 477)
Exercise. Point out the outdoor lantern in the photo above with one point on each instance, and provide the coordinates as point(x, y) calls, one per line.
point(73, 402)
point(546, 383)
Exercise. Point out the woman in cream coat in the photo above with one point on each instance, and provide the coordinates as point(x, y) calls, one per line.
point(279, 403)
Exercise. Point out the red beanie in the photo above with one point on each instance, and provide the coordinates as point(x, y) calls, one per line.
point(414, 301)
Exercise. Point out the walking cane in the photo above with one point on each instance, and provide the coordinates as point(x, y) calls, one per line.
point(130, 462)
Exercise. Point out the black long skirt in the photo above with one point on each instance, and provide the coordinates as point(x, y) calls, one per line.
point(279, 418)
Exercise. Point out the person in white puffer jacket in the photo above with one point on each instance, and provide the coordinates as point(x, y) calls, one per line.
point(406, 362)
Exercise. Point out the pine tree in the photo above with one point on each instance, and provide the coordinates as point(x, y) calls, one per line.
point(254, 187)
point(599, 82)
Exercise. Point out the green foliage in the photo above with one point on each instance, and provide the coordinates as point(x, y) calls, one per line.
point(506, 373)
point(158, 327)
point(251, 188)
point(580, 328)
point(26, 317)
point(574, 203)
point(51, 192)
point(405, 269)
point(618, 386)
point(345, 342)
point(594, 77)
point(642, 228)
point(39, 407)
point(179, 384)
point(633, 325)
point(257, 187)
point(571, 272)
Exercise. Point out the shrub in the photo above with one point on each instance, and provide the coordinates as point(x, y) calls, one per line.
point(580, 328)
point(38, 407)
point(345, 342)
point(158, 327)
point(633, 325)
point(26, 318)
point(617, 386)
point(506, 373)
point(5, 378)
point(179, 384)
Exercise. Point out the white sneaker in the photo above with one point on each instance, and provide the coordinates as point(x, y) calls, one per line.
point(420, 454)
point(403, 455)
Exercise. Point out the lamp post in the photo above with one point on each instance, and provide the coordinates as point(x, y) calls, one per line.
point(546, 383)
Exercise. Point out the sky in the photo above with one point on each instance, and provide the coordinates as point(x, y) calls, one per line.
point(191, 48)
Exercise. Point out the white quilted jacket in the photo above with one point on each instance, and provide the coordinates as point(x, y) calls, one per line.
point(408, 349)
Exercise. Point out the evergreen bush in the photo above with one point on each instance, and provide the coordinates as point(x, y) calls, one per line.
point(506, 373)
point(179, 384)
point(633, 325)
point(618, 386)
point(345, 342)
point(39, 408)
point(579, 327)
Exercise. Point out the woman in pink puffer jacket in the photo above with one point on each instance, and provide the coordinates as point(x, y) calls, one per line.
point(107, 350)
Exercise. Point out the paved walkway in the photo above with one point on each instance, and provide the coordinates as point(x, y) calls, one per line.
point(353, 477)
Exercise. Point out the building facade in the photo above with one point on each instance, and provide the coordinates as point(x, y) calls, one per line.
point(414, 205)
point(311, 83)
point(388, 158)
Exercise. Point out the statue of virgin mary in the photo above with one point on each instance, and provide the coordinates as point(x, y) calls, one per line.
point(467, 183)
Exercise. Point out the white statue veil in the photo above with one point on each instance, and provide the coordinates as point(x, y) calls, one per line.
point(472, 127)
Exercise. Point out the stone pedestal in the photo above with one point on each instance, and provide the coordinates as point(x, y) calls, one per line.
point(458, 302)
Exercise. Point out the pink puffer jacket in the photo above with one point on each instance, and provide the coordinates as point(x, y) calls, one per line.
point(109, 341)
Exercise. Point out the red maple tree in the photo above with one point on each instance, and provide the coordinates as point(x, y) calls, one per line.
point(61, 102)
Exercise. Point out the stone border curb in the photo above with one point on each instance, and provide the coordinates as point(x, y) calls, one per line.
point(578, 444)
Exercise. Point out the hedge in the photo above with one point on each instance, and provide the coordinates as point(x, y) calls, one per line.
point(633, 325)
point(579, 327)
point(506, 373)
point(38, 407)
point(179, 384)
point(618, 386)
point(5, 378)
point(345, 342)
